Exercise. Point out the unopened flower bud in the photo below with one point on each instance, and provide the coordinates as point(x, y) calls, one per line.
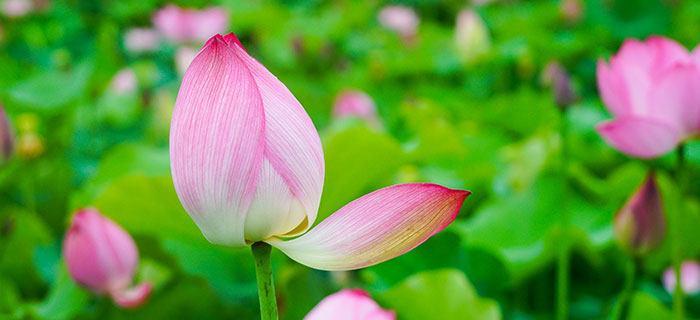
point(640, 225)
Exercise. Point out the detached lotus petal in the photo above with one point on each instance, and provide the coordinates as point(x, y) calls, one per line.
point(101, 256)
point(653, 90)
point(640, 225)
point(349, 304)
point(248, 166)
point(690, 278)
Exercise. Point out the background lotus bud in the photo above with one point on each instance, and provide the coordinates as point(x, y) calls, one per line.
point(124, 82)
point(471, 35)
point(349, 304)
point(555, 76)
point(188, 25)
point(401, 19)
point(571, 10)
point(7, 137)
point(247, 165)
point(652, 88)
point(640, 225)
point(102, 257)
point(141, 40)
point(357, 104)
point(690, 278)
point(17, 8)
point(183, 58)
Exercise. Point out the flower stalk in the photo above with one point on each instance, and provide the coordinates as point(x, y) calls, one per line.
point(676, 250)
point(563, 256)
point(266, 286)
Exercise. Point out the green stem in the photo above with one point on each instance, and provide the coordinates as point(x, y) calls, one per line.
point(622, 308)
point(564, 252)
point(266, 287)
point(677, 254)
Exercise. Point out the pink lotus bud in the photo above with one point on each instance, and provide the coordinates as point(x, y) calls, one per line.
point(7, 137)
point(124, 82)
point(183, 58)
point(188, 25)
point(571, 10)
point(355, 104)
point(140, 40)
point(471, 35)
point(248, 166)
point(102, 257)
point(349, 304)
point(690, 278)
point(652, 88)
point(555, 75)
point(401, 19)
point(17, 8)
point(640, 225)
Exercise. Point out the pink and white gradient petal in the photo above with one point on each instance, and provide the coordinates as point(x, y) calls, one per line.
point(640, 137)
point(675, 98)
point(217, 142)
point(132, 297)
point(376, 227)
point(349, 304)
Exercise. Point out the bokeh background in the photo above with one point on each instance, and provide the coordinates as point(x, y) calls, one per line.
point(89, 99)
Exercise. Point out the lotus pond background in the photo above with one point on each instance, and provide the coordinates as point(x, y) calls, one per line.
point(485, 120)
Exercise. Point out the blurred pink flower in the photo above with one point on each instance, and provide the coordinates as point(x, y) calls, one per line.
point(248, 166)
point(7, 137)
point(356, 104)
point(183, 57)
point(401, 19)
point(181, 25)
point(690, 278)
point(652, 88)
point(640, 225)
point(124, 81)
point(471, 35)
point(102, 257)
point(138, 40)
point(349, 304)
point(17, 8)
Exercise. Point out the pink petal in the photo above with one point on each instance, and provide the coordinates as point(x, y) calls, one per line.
point(376, 227)
point(208, 22)
point(349, 304)
point(357, 104)
point(217, 142)
point(292, 150)
point(640, 137)
point(132, 297)
point(98, 253)
point(675, 98)
point(613, 90)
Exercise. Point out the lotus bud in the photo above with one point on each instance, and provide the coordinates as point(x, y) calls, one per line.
point(7, 137)
point(471, 35)
point(17, 8)
point(141, 40)
point(349, 304)
point(124, 82)
point(400, 19)
point(102, 257)
point(640, 225)
point(690, 278)
point(555, 76)
point(571, 10)
point(356, 104)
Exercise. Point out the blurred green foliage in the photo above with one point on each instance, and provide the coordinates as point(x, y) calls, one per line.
point(489, 126)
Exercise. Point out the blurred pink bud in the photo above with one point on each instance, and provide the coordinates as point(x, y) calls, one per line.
point(7, 137)
point(652, 88)
point(355, 104)
point(17, 8)
point(181, 25)
point(571, 10)
point(640, 224)
point(139, 40)
point(555, 75)
point(690, 278)
point(183, 58)
point(102, 257)
point(248, 166)
point(471, 35)
point(124, 82)
point(349, 304)
point(401, 19)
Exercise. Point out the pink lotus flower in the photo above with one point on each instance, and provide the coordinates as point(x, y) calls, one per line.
point(401, 19)
point(102, 257)
point(690, 278)
point(653, 90)
point(640, 224)
point(349, 304)
point(248, 166)
point(188, 25)
point(139, 40)
point(356, 104)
